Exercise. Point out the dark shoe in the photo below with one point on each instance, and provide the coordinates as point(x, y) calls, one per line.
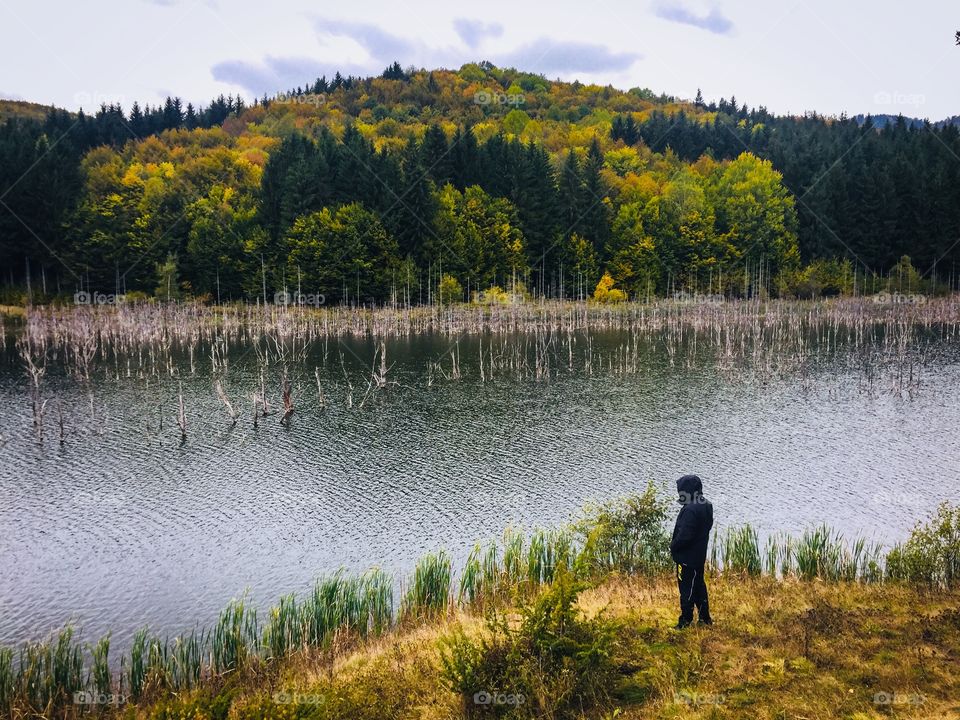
point(706, 620)
point(682, 623)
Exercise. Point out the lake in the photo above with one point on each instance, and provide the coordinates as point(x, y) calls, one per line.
point(124, 525)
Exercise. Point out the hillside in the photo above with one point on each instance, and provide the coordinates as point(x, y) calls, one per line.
point(363, 189)
point(21, 110)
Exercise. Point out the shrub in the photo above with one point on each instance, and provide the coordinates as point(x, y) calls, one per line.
point(932, 552)
point(627, 535)
point(553, 664)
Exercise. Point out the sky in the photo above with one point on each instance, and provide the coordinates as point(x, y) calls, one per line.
point(792, 56)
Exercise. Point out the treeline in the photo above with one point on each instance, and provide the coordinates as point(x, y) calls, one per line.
point(379, 187)
point(867, 194)
point(211, 215)
point(40, 170)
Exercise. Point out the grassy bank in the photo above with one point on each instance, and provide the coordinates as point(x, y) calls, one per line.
point(567, 623)
point(780, 649)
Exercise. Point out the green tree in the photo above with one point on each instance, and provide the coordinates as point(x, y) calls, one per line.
point(477, 237)
point(756, 214)
point(342, 255)
point(450, 290)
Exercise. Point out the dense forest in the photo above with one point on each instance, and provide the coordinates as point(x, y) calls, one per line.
point(424, 185)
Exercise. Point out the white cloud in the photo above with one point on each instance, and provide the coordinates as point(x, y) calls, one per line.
point(473, 32)
point(713, 21)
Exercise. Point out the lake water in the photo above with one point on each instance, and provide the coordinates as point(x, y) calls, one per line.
point(123, 525)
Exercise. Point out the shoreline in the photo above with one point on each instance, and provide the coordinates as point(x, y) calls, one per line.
point(617, 545)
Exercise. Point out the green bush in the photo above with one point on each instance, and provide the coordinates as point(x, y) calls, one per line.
point(627, 535)
point(932, 552)
point(553, 664)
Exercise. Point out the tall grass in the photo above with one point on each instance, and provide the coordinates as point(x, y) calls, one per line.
point(137, 673)
point(429, 590)
point(7, 679)
point(100, 672)
point(187, 660)
point(471, 578)
point(741, 551)
point(50, 672)
point(630, 539)
point(513, 570)
point(235, 637)
point(819, 553)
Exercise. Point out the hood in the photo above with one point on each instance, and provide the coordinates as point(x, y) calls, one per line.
point(689, 488)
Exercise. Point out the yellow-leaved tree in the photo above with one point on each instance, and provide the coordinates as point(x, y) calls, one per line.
point(606, 293)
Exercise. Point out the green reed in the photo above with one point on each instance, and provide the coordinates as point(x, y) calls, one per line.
point(284, 631)
point(159, 670)
point(378, 587)
point(100, 672)
point(492, 574)
point(321, 613)
point(429, 590)
point(741, 551)
point(235, 638)
point(817, 556)
point(137, 674)
point(50, 672)
point(819, 553)
point(547, 551)
point(7, 680)
point(187, 660)
point(513, 570)
point(471, 578)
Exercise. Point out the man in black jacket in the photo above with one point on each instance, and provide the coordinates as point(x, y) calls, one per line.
point(688, 548)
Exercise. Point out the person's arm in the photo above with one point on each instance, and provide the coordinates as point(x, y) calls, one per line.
point(683, 532)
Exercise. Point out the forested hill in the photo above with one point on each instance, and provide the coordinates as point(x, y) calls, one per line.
point(365, 188)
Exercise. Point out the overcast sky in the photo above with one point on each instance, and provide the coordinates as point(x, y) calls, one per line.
point(830, 56)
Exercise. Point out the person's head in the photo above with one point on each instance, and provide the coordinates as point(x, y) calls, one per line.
point(689, 489)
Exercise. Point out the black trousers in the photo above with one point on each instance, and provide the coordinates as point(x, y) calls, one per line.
point(693, 592)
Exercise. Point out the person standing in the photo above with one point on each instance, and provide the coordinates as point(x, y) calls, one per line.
point(688, 548)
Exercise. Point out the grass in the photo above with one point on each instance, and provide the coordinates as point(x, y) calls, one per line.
point(803, 592)
point(236, 637)
point(429, 593)
point(819, 553)
point(779, 649)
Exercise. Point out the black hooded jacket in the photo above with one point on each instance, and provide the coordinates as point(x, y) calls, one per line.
point(691, 534)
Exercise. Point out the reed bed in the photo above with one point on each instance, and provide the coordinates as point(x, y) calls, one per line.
point(883, 346)
point(429, 590)
point(627, 537)
point(819, 553)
